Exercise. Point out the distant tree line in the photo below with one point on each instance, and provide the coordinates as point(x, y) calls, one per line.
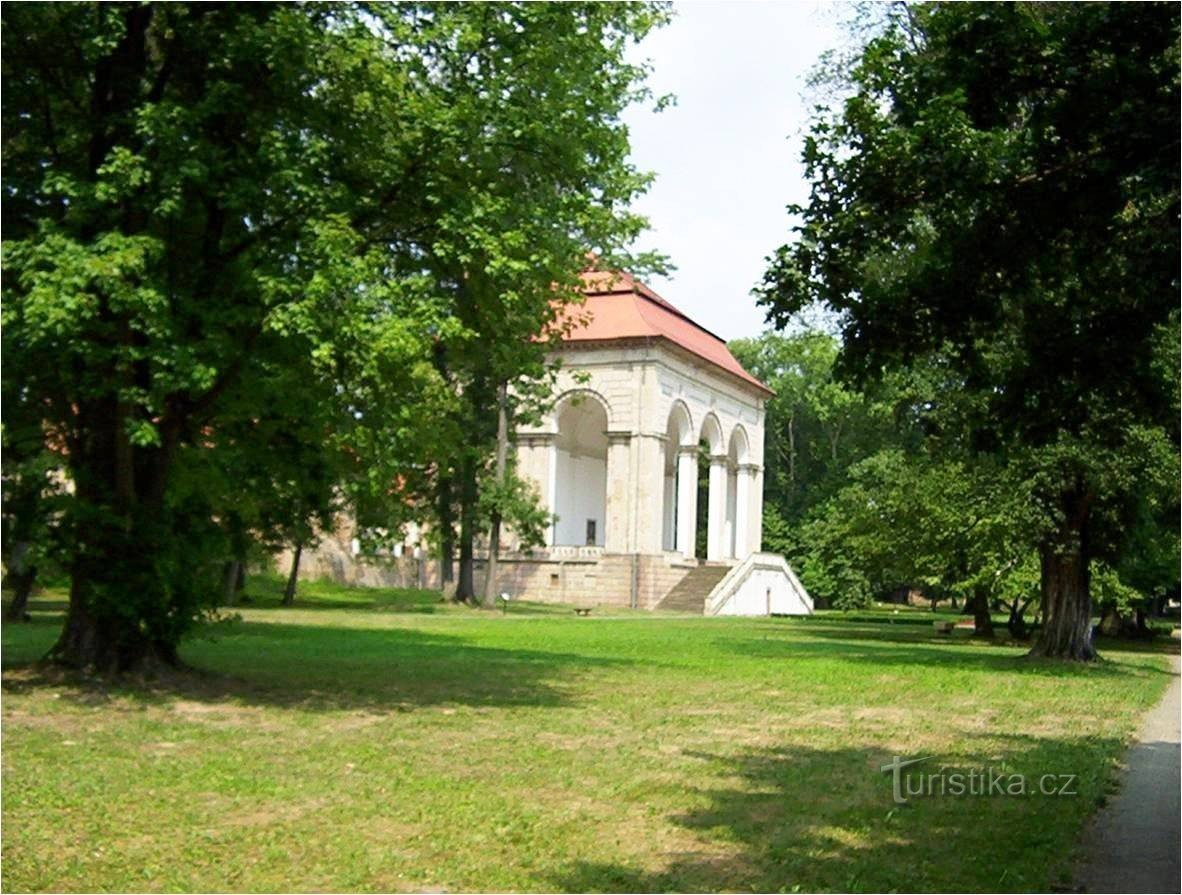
point(871, 496)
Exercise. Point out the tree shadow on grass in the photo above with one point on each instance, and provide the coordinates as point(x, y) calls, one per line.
point(326, 668)
point(806, 819)
point(871, 644)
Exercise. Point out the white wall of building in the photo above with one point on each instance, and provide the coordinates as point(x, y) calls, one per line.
point(582, 495)
point(639, 384)
point(764, 584)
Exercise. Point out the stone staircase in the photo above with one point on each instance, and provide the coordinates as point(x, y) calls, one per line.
point(689, 594)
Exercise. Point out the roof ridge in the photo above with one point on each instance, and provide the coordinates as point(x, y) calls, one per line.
point(633, 286)
point(654, 316)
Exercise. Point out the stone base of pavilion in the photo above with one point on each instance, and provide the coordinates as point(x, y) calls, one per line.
point(759, 584)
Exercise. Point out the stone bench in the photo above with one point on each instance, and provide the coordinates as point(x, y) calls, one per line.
point(943, 627)
point(582, 610)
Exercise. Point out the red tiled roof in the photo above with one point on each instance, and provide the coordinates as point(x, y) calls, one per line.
point(618, 306)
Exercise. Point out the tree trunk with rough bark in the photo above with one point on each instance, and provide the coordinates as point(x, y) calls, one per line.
point(494, 532)
point(982, 619)
point(1066, 597)
point(97, 636)
point(447, 532)
point(289, 592)
point(133, 582)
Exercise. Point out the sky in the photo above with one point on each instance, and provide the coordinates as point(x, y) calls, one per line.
point(727, 155)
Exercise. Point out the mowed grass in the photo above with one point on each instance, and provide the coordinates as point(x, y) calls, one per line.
point(380, 740)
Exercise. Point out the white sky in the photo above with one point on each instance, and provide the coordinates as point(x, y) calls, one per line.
point(727, 156)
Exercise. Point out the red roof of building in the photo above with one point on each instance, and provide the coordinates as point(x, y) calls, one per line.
point(618, 306)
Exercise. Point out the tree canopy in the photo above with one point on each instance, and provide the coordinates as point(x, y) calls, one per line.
point(237, 239)
point(998, 193)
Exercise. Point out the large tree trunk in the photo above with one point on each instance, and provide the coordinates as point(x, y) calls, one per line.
point(97, 636)
point(494, 533)
point(466, 585)
point(107, 644)
point(447, 532)
point(289, 592)
point(982, 619)
point(135, 583)
point(21, 576)
point(1066, 598)
point(231, 573)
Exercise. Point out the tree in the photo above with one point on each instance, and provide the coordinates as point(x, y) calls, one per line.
point(537, 180)
point(817, 426)
point(210, 210)
point(177, 226)
point(1000, 189)
point(948, 525)
point(32, 490)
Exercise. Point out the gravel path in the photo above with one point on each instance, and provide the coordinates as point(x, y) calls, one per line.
point(1133, 844)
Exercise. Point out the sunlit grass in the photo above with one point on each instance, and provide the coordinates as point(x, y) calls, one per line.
point(384, 740)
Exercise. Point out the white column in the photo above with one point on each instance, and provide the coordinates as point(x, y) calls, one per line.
point(728, 534)
point(617, 511)
point(716, 520)
point(755, 537)
point(687, 498)
point(743, 477)
point(669, 512)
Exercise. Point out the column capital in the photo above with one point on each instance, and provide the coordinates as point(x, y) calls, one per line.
point(534, 439)
point(751, 468)
point(719, 459)
point(687, 450)
point(619, 437)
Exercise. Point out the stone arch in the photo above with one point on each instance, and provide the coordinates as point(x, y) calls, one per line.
point(680, 476)
point(682, 422)
point(579, 469)
point(738, 494)
point(711, 433)
point(575, 396)
point(739, 445)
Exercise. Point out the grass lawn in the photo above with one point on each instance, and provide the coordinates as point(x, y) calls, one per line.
point(378, 740)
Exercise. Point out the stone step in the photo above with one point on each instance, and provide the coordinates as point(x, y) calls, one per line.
point(689, 594)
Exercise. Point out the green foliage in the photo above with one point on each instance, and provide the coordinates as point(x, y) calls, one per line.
point(817, 425)
point(517, 503)
point(946, 526)
point(997, 193)
point(1109, 590)
point(237, 240)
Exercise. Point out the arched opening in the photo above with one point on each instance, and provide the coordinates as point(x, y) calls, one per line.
point(702, 526)
point(714, 514)
point(580, 472)
point(737, 495)
point(677, 509)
